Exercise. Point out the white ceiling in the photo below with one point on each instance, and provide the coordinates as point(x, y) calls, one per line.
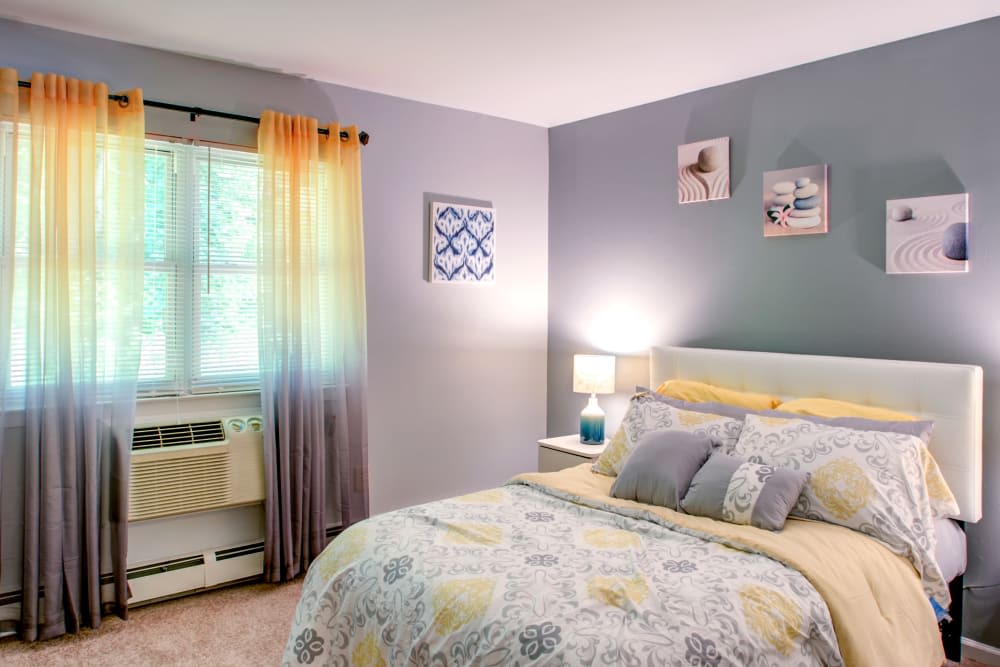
point(544, 62)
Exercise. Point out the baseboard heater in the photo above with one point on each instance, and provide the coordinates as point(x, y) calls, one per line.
point(176, 577)
point(183, 576)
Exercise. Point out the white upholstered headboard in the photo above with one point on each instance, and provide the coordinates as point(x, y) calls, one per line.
point(950, 394)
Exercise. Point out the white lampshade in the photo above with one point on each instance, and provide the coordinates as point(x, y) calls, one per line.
point(594, 373)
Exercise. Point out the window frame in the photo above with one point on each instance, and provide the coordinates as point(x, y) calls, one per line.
point(165, 386)
point(188, 270)
point(180, 263)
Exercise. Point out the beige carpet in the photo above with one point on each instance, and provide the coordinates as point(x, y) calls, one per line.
point(243, 625)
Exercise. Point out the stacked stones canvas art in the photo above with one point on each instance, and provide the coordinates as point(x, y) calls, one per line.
point(703, 170)
point(927, 234)
point(795, 201)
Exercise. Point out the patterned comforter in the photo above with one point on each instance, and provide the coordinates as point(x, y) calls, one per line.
point(550, 570)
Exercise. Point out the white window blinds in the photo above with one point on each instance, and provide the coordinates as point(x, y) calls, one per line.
point(200, 305)
point(14, 197)
point(199, 330)
point(12, 250)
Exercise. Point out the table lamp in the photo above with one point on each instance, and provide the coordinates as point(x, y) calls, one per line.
point(593, 374)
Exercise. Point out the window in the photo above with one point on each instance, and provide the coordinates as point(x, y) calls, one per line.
point(14, 243)
point(199, 329)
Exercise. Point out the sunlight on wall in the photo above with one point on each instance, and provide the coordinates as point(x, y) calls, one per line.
point(620, 329)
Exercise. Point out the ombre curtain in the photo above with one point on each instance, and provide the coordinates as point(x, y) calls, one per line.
point(73, 251)
point(311, 301)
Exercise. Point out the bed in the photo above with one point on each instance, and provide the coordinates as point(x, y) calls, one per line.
point(551, 569)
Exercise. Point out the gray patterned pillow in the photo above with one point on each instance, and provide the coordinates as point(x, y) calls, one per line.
point(922, 429)
point(732, 411)
point(660, 469)
point(869, 481)
point(943, 503)
point(738, 491)
point(645, 414)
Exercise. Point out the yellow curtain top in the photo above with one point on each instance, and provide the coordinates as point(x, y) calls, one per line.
point(117, 115)
point(8, 93)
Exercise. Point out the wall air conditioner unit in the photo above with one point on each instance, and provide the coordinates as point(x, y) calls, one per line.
point(195, 467)
point(181, 473)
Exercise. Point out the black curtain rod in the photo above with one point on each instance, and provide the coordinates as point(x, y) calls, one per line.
point(194, 112)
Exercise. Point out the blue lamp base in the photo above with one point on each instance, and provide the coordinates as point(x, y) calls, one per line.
point(592, 431)
point(592, 423)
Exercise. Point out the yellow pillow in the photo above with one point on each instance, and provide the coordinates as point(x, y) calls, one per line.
point(827, 407)
point(700, 392)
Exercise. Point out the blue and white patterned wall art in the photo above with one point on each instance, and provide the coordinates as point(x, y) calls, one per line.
point(462, 243)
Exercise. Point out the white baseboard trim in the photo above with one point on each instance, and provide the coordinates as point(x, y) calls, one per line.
point(984, 653)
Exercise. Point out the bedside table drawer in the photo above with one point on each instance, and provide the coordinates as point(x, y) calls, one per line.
point(550, 460)
point(565, 451)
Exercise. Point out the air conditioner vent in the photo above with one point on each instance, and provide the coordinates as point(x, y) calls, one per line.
point(164, 487)
point(175, 435)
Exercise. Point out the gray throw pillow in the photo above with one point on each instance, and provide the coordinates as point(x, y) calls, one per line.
point(738, 491)
point(659, 470)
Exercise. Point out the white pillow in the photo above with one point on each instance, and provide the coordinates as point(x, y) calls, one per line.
point(951, 554)
point(869, 481)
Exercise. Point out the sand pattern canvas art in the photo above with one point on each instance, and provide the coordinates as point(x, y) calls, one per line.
point(703, 170)
point(927, 234)
point(795, 201)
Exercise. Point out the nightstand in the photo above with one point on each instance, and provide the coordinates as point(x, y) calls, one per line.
point(565, 451)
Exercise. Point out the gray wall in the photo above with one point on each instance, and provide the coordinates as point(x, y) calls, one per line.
point(457, 374)
point(628, 266)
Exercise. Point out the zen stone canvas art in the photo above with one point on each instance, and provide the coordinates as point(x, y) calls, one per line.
point(927, 234)
point(462, 243)
point(703, 170)
point(795, 201)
